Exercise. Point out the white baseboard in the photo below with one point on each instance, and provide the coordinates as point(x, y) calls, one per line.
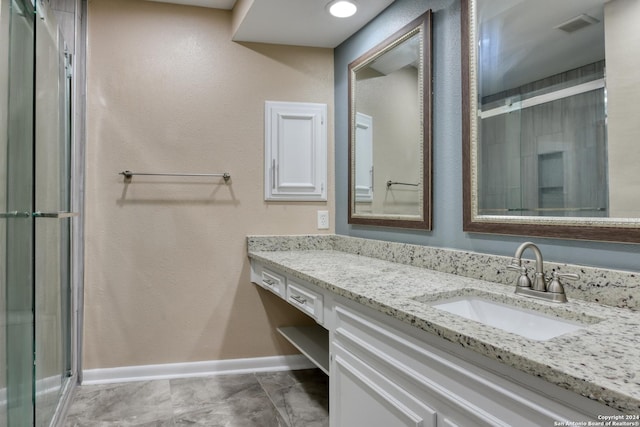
point(48, 385)
point(44, 386)
point(195, 369)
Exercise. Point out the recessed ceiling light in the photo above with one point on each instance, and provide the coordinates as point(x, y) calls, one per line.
point(342, 8)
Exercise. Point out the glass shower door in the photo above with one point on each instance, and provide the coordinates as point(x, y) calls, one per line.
point(52, 218)
point(35, 265)
point(16, 206)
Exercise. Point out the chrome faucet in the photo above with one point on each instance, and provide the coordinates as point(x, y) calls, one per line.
point(541, 287)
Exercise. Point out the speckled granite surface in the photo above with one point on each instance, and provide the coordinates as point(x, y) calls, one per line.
point(601, 361)
point(611, 287)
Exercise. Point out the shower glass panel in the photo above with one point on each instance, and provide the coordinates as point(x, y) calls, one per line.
point(16, 221)
point(543, 152)
point(500, 183)
point(35, 264)
point(52, 229)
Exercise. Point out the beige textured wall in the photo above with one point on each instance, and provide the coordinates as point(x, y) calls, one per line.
point(167, 276)
point(622, 41)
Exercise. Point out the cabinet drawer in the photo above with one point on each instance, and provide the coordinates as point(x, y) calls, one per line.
point(306, 300)
point(273, 281)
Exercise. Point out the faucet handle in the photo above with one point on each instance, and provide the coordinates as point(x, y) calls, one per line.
point(570, 276)
point(521, 268)
point(523, 280)
point(555, 286)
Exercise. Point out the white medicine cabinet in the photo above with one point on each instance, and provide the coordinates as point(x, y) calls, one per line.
point(295, 162)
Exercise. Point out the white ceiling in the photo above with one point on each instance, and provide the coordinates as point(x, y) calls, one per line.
point(520, 43)
point(294, 22)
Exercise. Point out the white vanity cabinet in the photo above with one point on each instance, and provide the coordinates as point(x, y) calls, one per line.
point(386, 373)
point(312, 341)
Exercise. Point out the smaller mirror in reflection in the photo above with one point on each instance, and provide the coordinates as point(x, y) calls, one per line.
point(388, 134)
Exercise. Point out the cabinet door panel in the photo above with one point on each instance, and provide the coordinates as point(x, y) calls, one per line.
point(461, 393)
point(367, 398)
point(295, 151)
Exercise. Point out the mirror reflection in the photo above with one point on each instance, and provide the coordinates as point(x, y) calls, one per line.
point(387, 140)
point(388, 111)
point(555, 115)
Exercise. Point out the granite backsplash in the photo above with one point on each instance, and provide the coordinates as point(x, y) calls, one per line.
point(610, 287)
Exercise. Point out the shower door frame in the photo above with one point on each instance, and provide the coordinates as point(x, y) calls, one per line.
point(71, 257)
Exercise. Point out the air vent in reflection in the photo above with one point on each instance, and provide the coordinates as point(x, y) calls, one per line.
point(574, 24)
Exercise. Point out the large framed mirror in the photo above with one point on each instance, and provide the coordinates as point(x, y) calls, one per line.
point(390, 131)
point(551, 118)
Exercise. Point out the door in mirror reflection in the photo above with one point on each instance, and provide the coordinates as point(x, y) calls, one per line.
point(364, 162)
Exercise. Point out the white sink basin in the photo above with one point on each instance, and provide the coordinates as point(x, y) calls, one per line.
point(527, 323)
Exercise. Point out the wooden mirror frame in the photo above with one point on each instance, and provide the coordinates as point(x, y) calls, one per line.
point(423, 24)
point(625, 230)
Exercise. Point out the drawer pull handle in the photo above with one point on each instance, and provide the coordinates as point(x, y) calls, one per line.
point(269, 282)
point(299, 299)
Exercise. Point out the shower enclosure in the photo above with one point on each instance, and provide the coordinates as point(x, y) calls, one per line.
point(36, 290)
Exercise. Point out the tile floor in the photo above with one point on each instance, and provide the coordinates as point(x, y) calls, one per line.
point(268, 399)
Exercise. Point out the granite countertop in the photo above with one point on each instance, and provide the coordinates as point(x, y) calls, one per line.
point(601, 361)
